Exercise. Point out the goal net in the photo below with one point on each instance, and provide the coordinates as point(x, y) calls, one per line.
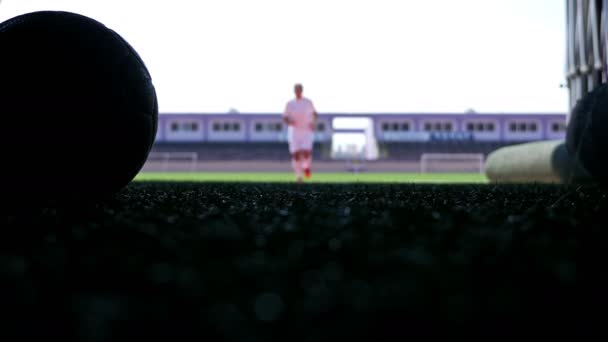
point(171, 161)
point(452, 163)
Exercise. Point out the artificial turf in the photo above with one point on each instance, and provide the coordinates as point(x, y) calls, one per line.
point(321, 177)
point(318, 262)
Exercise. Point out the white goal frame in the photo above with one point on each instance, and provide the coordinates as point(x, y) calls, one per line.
point(477, 158)
point(166, 158)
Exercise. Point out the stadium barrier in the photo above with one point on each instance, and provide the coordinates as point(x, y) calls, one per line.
point(428, 163)
point(452, 162)
point(169, 161)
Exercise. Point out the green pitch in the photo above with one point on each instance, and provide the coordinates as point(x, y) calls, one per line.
point(285, 177)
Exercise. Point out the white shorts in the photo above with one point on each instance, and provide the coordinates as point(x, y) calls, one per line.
point(300, 140)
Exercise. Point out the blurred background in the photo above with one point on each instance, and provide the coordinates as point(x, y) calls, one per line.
point(402, 87)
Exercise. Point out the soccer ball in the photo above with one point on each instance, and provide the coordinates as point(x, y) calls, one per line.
point(78, 108)
point(586, 138)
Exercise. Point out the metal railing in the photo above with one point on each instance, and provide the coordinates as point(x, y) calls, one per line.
point(586, 46)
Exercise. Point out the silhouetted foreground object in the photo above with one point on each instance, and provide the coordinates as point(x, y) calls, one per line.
point(78, 108)
point(587, 135)
point(535, 162)
point(581, 158)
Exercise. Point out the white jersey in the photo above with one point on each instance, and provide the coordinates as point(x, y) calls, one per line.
point(301, 113)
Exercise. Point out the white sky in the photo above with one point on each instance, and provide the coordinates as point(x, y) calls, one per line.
point(351, 55)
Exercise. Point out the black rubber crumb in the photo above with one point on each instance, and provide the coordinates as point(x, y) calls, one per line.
point(261, 262)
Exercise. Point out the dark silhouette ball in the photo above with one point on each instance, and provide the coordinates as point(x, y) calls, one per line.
point(587, 135)
point(78, 108)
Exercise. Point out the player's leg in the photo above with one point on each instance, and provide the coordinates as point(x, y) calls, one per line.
point(306, 162)
point(307, 145)
point(295, 164)
point(296, 158)
point(297, 146)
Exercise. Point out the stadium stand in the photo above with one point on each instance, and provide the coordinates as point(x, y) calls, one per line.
point(401, 138)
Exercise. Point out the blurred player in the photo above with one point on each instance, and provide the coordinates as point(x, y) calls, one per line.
point(300, 116)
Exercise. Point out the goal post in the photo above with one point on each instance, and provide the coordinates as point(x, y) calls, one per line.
point(172, 161)
point(452, 163)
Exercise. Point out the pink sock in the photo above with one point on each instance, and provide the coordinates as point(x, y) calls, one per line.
point(306, 161)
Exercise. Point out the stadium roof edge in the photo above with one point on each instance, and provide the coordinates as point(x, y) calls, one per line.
point(370, 114)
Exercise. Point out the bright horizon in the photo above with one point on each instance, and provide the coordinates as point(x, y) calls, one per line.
point(496, 56)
